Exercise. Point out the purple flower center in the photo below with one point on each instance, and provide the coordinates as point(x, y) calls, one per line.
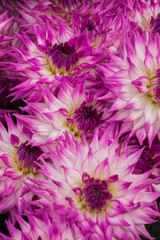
point(87, 118)
point(156, 24)
point(149, 158)
point(90, 27)
point(94, 193)
point(144, 163)
point(28, 154)
point(63, 56)
point(69, 4)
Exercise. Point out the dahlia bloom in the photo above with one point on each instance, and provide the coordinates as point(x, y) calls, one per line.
point(71, 110)
point(32, 9)
point(136, 87)
point(100, 29)
point(149, 158)
point(103, 23)
point(69, 5)
point(147, 14)
point(54, 54)
point(36, 228)
point(17, 159)
point(35, 13)
point(94, 191)
point(58, 13)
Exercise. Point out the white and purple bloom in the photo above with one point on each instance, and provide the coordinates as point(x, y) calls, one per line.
point(17, 159)
point(149, 158)
point(103, 23)
point(57, 13)
point(147, 14)
point(54, 54)
point(69, 5)
point(35, 228)
point(94, 192)
point(136, 87)
point(72, 109)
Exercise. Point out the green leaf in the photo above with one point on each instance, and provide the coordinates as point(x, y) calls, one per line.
point(90, 1)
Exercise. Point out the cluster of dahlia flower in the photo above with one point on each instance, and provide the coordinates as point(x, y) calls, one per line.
point(79, 119)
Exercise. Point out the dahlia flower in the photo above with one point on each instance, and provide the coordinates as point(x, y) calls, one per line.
point(53, 55)
point(69, 5)
point(136, 87)
point(71, 110)
point(94, 191)
point(17, 159)
point(36, 228)
point(147, 14)
point(38, 13)
point(149, 158)
point(103, 23)
point(57, 13)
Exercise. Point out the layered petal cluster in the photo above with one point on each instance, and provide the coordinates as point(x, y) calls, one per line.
point(137, 88)
point(149, 158)
point(94, 190)
point(146, 15)
point(80, 146)
point(17, 158)
point(36, 228)
point(72, 109)
point(103, 24)
point(50, 57)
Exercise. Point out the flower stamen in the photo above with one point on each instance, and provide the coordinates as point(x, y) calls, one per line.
point(63, 56)
point(27, 155)
point(94, 194)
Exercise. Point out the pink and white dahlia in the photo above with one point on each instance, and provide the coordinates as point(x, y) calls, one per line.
point(17, 161)
point(94, 191)
point(70, 110)
point(36, 228)
point(38, 13)
point(149, 158)
point(58, 13)
point(136, 89)
point(147, 15)
point(100, 28)
point(103, 23)
point(69, 5)
point(55, 53)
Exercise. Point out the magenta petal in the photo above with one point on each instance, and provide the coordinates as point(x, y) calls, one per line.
point(113, 178)
point(12, 174)
point(14, 140)
point(102, 170)
point(6, 160)
point(60, 209)
point(142, 84)
point(115, 208)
